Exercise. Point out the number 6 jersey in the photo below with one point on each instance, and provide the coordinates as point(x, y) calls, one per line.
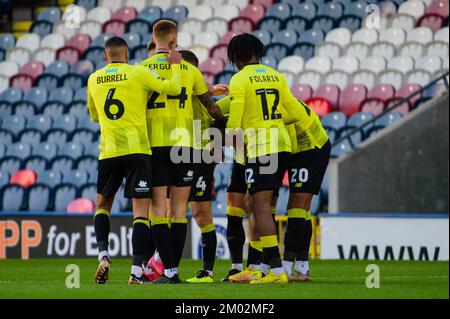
point(117, 98)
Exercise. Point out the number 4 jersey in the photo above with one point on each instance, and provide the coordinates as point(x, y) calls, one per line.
point(117, 95)
point(170, 117)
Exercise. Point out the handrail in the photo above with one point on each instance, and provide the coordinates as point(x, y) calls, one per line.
point(348, 135)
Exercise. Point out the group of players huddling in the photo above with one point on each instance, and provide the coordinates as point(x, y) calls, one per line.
point(162, 131)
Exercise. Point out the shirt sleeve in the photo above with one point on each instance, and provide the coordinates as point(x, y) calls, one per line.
point(224, 105)
point(91, 105)
point(152, 82)
point(200, 86)
point(237, 101)
point(294, 111)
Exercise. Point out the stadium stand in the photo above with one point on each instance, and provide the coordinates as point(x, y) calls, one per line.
point(348, 72)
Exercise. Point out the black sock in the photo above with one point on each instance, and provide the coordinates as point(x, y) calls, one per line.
point(235, 238)
point(150, 246)
point(306, 242)
point(139, 239)
point(102, 226)
point(294, 237)
point(209, 245)
point(178, 231)
point(254, 256)
point(272, 256)
point(163, 241)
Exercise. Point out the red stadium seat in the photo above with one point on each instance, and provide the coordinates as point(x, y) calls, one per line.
point(265, 3)
point(79, 41)
point(373, 105)
point(21, 81)
point(69, 54)
point(125, 14)
point(254, 12)
point(403, 108)
point(241, 24)
point(227, 37)
point(33, 69)
point(351, 98)
point(220, 51)
point(330, 92)
point(383, 92)
point(24, 178)
point(320, 105)
point(431, 20)
point(212, 65)
point(439, 7)
point(81, 205)
point(407, 90)
point(302, 91)
point(115, 26)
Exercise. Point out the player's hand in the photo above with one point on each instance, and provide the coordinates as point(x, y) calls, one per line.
point(210, 88)
point(220, 89)
point(174, 57)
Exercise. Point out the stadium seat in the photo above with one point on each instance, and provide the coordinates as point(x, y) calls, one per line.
point(206, 39)
point(359, 119)
point(304, 50)
point(382, 91)
point(384, 49)
point(266, 3)
point(408, 90)
point(320, 64)
point(24, 178)
point(47, 150)
point(430, 63)
point(201, 12)
point(31, 136)
point(19, 150)
point(12, 198)
point(264, 35)
point(334, 120)
point(73, 81)
point(139, 26)
point(404, 21)
point(80, 95)
point(21, 81)
point(29, 41)
point(39, 197)
point(422, 35)
point(432, 21)
point(349, 64)
point(58, 137)
point(9, 68)
point(279, 10)
point(277, 50)
point(350, 22)
point(94, 54)
point(25, 109)
point(398, 105)
point(6, 138)
point(50, 178)
point(37, 96)
point(311, 78)
point(439, 48)
point(320, 105)
point(72, 150)
point(54, 41)
point(66, 122)
point(340, 36)
point(324, 23)
point(341, 149)
point(137, 4)
point(217, 25)
point(19, 55)
point(442, 35)
point(366, 35)
point(62, 164)
point(69, 54)
point(388, 118)
point(297, 23)
point(77, 177)
point(351, 98)
point(359, 50)
point(115, 27)
point(45, 55)
point(81, 205)
point(64, 194)
point(290, 78)
point(14, 123)
point(121, 203)
point(241, 25)
point(151, 13)
point(306, 10)
point(412, 49)
point(254, 12)
point(357, 8)
point(58, 68)
point(41, 123)
point(224, 76)
point(392, 77)
point(7, 41)
point(415, 8)
point(125, 14)
point(375, 64)
point(36, 163)
point(4, 177)
point(83, 68)
point(372, 105)
point(87, 163)
point(291, 63)
point(226, 11)
point(421, 77)
point(212, 65)
point(83, 137)
point(176, 13)
point(287, 37)
point(92, 28)
point(86, 123)
point(331, 9)
point(32, 69)
point(89, 191)
point(99, 14)
point(302, 91)
point(329, 92)
point(41, 28)
point(272, 24)
point(11, 95)
point(403, 64)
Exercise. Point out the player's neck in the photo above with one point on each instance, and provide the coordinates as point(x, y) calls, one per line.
point(162, 49)
point(251, 62)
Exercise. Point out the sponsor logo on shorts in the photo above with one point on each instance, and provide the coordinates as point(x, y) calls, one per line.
point(189, 176)
point(142, 187)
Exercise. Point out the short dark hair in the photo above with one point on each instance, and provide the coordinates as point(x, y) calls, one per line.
point(115, 42)
point(243, 47)
point(189, 57)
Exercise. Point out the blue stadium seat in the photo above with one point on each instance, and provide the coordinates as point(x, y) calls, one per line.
point(375, 130)
point(100, 40)
point(54, 109)
point(101, 64)
point(353, 23)
point(287, 37)
point(73, 81)
point(37, 96)
point(270, 61)
point(65, 122)
point(307, 10)
point(121, 204)
point(83, 137)
point(39, 197)
point(64, 194)
point(271, 24)
point(36, 163)
point(19, 150)
point(87, 123)
point(224, 76)
point(341, 148)
point(10, 164)
point(356, 8)
point(388, 118)
point(12, 198)
point(331, 9)
point(324, 23)
point(11, 95)
point(356, 138)
point(31, 136)
point(316, 204)
point(47, 81)
point(335, 120)
point(14, 123)
point(87, 163)
point(93, 176)
point(2, 55)
point(303, 49)
point(146, 39)
point(72, 150)
point(58, 137)
point(42, 28)
point(359, 119)
point(313, 36)
point(52, 15)
point(62, 164)
point(4, 178)
point(83, 68)
point(2, 148)
point(62, 94)
point(47, 150)
point(7, 41)
point(80, 95)
point(94, 54)
point(176, 13)
point(25, 109)
point(133, 39)
point(50, 178)
point(78, 109)
point(151, 14)
point(89, 191)
point(264, 35)
point(296, 23)
point(58, 68)
point(77, 177)
point(42, 123)
point(140, 53)
point(92, 149)
point(277, 50)
point(139, 26)
point(332, 134)
point(87, 4)
point(279, 10)
point(6, 137)
point(6, 110)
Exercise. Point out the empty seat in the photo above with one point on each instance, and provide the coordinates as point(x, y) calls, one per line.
point(331, 9)
point(330, 92)
point(305, 10)
point(403, 64)
point(151, 13)
point(351, 98)
point(87, 163)
point(415, 8)
point(304, 50)
point(347, 63)
point(291, 63)
point(264, 35)
point(19, 55)
point(412, 49)
point(311, 78)
point(30, 136)
point(64, 194)
point(430, 63)
point(41, 28)
point(442, 35)
point(357, 8)
point(421, 77)
point(212, 65)
point(7, 41)
point(340, 36)
point(79, 41)
point(115, 27)
point(324, 23)
point(81, 205)
point(24, 178)
point(83, 68)
point(19, 150)
point(399, 105)
point(331, 50)
point(6, 138)
point(32, 69)
point(217, 25)
point(297, 23)
point(63, 95)
point(62, 164)
point(72, 150)
point(269, 61)
point(241, 24)
point(359, 50)
point(77, 177)
point(287, 37)
point(176, 13)
point(207, 39)
point(404, 21)
point(366, 35)
point(125, 14)
point(320, 64)
point(4, 179)
point(45, 56)
point(391, 77)
point(21, 81)
point(338, 77)
point(69, 54)
point(12, 198)
point(58, 68)
point(384, 49)
point(277, 50)
point(438, 48)
point(227, 11)
point(14, 123)
point(359, 119)
point(422, 35)
point(54, 41)
point(9, 68)
point(99, 14)
point(254, 12)
point(91, 28)
point(50, 178)
point(388, 118)
point(409, 90)
point(201, 12)
point(11, 95)
point(57, 136)
point(396, 36)
point(432, 21)
point(372, 105)
point(89, 191)
point(321, 106)
point(302, 91)
point(29, 41)
point(382, 91)
point(36, 163)
point(39, 198)
point(375, 64)
point(334, 120)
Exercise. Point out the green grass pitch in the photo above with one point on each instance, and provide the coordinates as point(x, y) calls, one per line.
point(46, 278)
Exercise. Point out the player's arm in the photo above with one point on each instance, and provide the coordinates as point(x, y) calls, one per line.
point(224, 105)
point(237, 99)
point(91, 105)
point(153, 82)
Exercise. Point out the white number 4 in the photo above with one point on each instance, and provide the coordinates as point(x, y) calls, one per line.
point(201, 184)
